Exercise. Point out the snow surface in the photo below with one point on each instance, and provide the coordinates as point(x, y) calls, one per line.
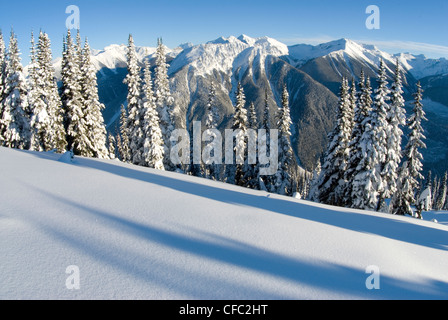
point(138, 233)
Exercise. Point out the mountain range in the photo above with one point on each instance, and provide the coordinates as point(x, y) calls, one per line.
point(312, 74)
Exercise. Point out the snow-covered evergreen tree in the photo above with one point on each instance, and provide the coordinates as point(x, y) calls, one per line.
point(235, 171)
point(266, 182)
point(395, 120)
point(39, 119)
point(123, 145)
point(164, 102)
point(212, 170)
point(331, 179)
point(251, 175)
point(56, 136)
point(135, 118)
point(382, 129)
point(284, 177)
point(424, 200)
point(410, 171)
point(313, 193)
point(46, 118)
point(112, 146)
point(15, 128)
point(92, 106)
point(2, 70)
point(72, 101)
point(153, 149)
point(369, 186)
point(362, 107)
point(435, 193)
point(442, 190)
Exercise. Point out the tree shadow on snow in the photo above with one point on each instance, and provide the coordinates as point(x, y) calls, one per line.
point(372, 224)
point(332, 277)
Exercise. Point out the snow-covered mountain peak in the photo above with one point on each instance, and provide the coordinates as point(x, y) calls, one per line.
point(249, 40)
point(223, 40)
point(226, 54)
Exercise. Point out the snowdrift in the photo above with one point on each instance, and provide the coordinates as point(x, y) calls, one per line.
point(129, 232)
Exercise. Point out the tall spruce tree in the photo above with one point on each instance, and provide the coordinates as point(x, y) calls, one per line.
point(15, 127)
point(369, 186)
point(266, 182)
point(212, 170)
point(235, 171)
point(123, 145)
point(92, 106)
point(46, 118)
point(335, 162)
point(382, 129)
point(2, 71)
point(135, 118)
point(39, 119)
point(72, 101)
point(164, 102)
point(441, 197)
point(153, 149)
point(252, 169)
point(55, 136)
point(362, 109)
point(410, 171)
point(284, 176)
point(395, 120)
point(111, 146)
point(313, 194)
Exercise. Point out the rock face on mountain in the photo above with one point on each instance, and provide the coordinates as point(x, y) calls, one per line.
point(312, 74)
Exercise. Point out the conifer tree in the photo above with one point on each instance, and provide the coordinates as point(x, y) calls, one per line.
point(2, 71)
point(410, 171)
point(72, 102)
point(382, 129)
point(153, 149)
point(212, 170)
point(284, 176)
point(442, 190)
point(92, 106)
point(266, 182)
point(15, 128)
point(362, 109)
point(335, 162)
point(111, 142)
point(46, 118)
point(395, 120)
point(124, 150)
point(252, 169)
point(39, 119)
point(56, 136)
point(135, 118)
point(369, 186)
point(164, 102)
point(235, 172)
point(313, 194)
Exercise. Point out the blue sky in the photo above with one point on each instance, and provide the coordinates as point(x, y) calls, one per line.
point(405, 26)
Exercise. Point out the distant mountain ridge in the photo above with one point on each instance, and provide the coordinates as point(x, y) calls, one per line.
point(312, 73)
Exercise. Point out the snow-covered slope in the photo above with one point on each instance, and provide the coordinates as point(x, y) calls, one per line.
point(137, 233)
